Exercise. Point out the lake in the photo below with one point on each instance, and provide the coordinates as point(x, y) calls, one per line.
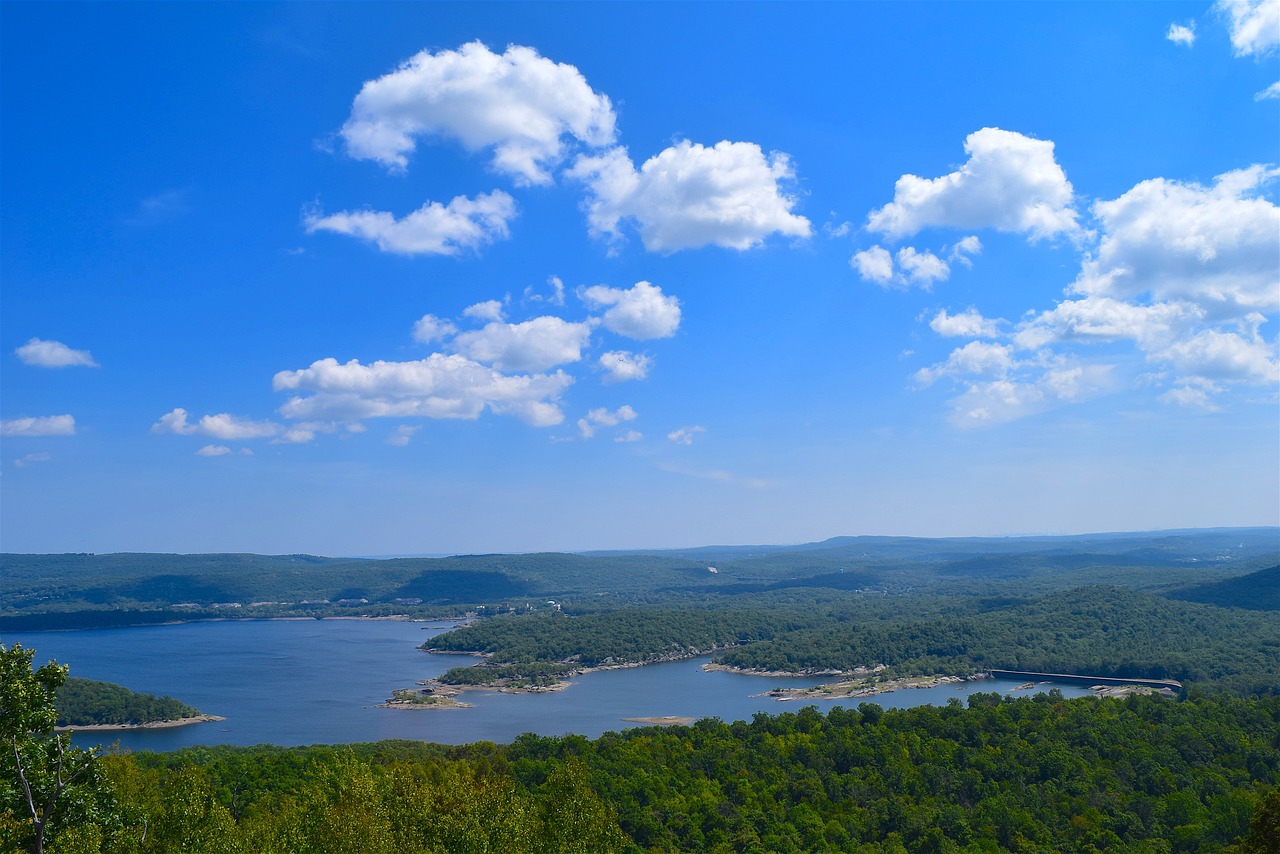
point(293, 682)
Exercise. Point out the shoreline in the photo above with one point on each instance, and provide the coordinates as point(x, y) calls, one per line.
point(169, 724)
point(399, 618)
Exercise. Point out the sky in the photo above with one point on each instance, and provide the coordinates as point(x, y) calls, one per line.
point(367, 279)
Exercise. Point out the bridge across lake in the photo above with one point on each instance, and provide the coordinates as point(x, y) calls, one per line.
point(1073, 679)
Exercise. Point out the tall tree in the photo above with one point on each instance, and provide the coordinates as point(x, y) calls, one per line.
point(45, 781)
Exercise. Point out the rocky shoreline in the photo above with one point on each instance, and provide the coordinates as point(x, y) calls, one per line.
point(177, 722)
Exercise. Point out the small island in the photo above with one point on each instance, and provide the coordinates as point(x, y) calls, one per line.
point(88, 704)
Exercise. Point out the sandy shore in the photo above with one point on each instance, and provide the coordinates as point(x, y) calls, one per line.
point(177, 722)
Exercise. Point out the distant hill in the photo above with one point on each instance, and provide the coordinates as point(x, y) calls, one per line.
point(1257, 591)
point(69, 591)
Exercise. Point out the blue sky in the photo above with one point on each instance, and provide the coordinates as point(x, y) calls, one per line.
point(364, 279)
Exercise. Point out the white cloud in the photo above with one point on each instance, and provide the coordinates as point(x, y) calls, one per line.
point(604, 418)
point(174, 422)
point(1183, 34)
point(221, 426)
point(622, 365)
point(690, 196)
point(430, 328)
point(964, 249)
point(611, 419)
point(1193, 394)
point(685, 435)
point(1271, 93)
point(213, 451)
point(433, 229)
point(42, 425)
point(640, 312)
point(487, 310)
point(519, 104)
point(1254, 25)
point(305, 431)
point(1224, 356)
point(1105, 319)
point(556, 297)
point(922, 268)
point(299, 435)
point(629, 436)
point(914, 267)
point(974, 358)
point(1214, 246)
point(53, 354)
point(874, 265)
point(1004, 399)
point(1011, 182)
point(31, 459)
point(401, 435)
point(224, 426)
point(967, 324)
point(533, 345)
point(439, 386)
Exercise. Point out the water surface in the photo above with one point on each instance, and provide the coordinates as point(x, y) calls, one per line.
point(292, 682)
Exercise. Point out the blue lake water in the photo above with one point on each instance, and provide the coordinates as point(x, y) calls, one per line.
point(292, 682)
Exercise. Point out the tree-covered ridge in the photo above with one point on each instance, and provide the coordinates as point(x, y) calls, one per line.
point(1041, 774)
point(1102, 631)
point(1098, 631)
point(88, 702)
point(85, 590)
point(1257, 591)
point(631, 635)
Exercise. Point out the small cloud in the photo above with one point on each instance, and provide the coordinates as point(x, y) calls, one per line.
point(922, 268)
point(31, 459)
point(53, 354)
point(44, 425)
point(430, 328)
point(1011, 182)
point(603, 417)
point(1182, 34)
point(464, 224)
point(629, 436)
point(964, 249)
point(623, 365)
point(524, 108)
point(874, 265)
point(642, 311)
point(213, 451)
point(401, 435)
point(830, 229)
point(968, 324)
point(487, 310)
point(684, 435)
point(222, 426)
point(556, 297)
point(1271, 93)
point(914, 267)
point(689, 196)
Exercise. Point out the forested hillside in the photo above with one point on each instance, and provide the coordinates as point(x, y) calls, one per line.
point(83, 590)
point(1039, 774)
point(88, 702)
